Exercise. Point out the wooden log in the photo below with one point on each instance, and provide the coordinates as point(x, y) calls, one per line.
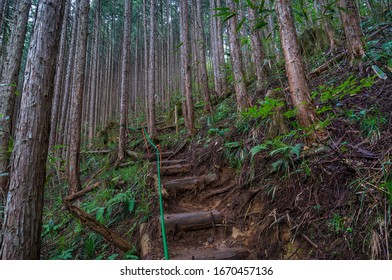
point(169, 162)
point(192, 221)
point(153, 155)
point(98, 152)
point(223, 254)
point(145, 241)
point(218, 191)
point(79, 194)
point(176, 169)
point(94, 225)
point(189, 184)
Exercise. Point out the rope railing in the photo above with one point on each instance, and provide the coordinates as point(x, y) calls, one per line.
point(159, 160)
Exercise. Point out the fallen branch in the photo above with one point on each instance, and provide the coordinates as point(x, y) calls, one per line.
point(98, 152)
point(74, 196)
point(94, 225)
point(310, 241)
point(92, 177)
point(326, 65)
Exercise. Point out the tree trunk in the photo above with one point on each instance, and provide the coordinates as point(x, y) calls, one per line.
point(201, 53)
point(186, 67)
point(295, 69)
point(257, 50)
point(77, 97)
point(94, 76)
point(8, 87)
point(326, 23)
point(65, 108)
point(23, 212)
point(124, 78)
point(352, 29)
point(59, 78)
point(236, 61)
point(151, 75)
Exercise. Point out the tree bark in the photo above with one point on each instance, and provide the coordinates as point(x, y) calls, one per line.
point(23, 212)
point(236, 61)
point(352, 29)
point(186, 67)
point(326, 23)
point(77, 97)
point(201, 53)
point(125, 78)
point(59, 78)
point(8, 86)
point(151, 75)
point(62, 138)
point(257, 50)
point(295, 69)
point(94, 76)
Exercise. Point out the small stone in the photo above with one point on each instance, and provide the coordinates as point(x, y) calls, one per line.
point(210, 240)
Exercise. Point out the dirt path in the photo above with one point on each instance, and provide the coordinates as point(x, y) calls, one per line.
point(196, 225)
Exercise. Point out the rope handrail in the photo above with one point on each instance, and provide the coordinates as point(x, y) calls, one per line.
point(158, 153)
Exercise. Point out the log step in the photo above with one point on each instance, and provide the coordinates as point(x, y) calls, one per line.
point(192, 221)
point(222, 254)
point(153, 156)
point(170, 162)
point(189, 184)
point(176, 169)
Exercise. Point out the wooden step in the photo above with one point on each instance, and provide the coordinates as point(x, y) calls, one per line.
point(176, 169)
point(192, 221)
point(170, 162)
point(182, 185)
point(153, 155)
point(222, 254)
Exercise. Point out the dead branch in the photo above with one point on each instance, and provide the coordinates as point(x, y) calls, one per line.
point(94, 225)
point(79, 194)
point(326, 65)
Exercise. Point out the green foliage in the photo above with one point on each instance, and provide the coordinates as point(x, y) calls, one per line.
point(350, 87)
point(64, 255)
point(286, 156)
point(90, 245)
point(223, 112)
point(216, 131)
point(386, 183)
point(264, 110)
point(337, 224)
point(370, 122)
point(235, 153)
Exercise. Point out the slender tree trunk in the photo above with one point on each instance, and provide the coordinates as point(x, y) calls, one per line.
point(124, 78)
point(326, 23)
point(151, 74)
point(186, 67)
point(236, 61)
point(221, 55)
point(271, 29)
point(201, 53)
point(77, 97)
point(62, 134)
point(295, 69)
point(9, 83)
point(23, 212)
point(59, 78)
point(352, 29)
point(95, 72)
point(257, 50)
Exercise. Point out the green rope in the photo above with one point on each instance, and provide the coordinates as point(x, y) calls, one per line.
point(164, 240)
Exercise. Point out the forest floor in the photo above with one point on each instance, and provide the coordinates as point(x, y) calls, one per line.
point(280, 197)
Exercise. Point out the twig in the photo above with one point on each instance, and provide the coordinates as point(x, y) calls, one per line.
point(310, 241)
